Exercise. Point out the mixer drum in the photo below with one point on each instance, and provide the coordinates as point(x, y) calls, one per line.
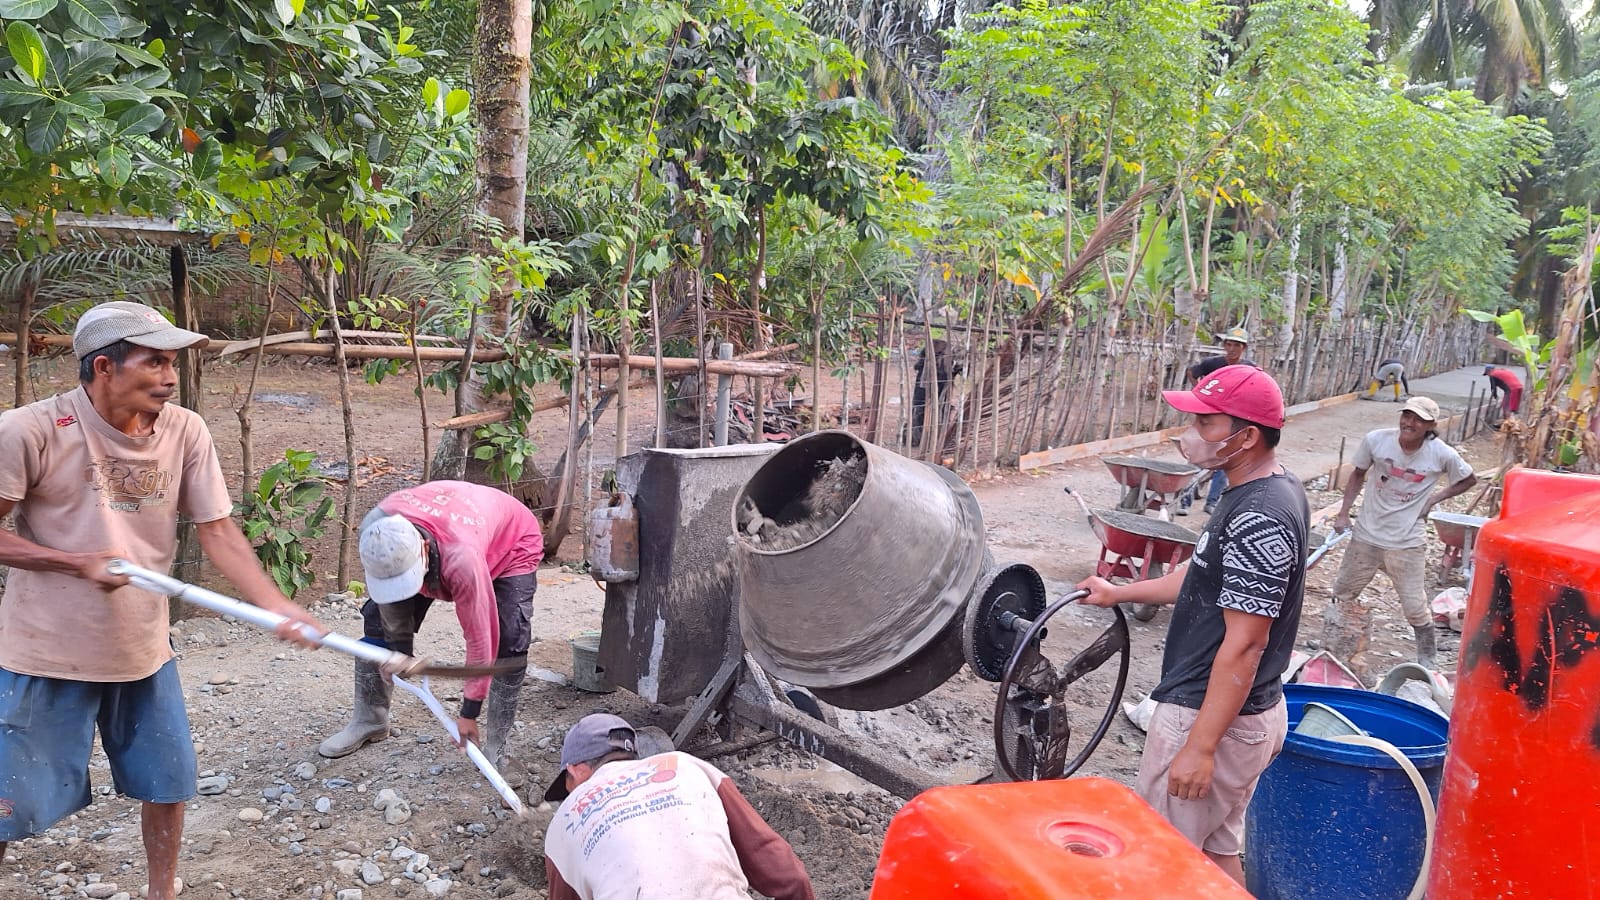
point(855, 565)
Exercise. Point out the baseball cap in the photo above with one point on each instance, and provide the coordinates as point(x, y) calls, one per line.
point(122, 320)
point(1488, 368)
point(1236, 334)
point(1244, 392)
point(1423, 407)
point(594, 736)
point(394, 557)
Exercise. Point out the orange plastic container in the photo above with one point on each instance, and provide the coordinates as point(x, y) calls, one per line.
point(1519, 809)
point(1082, 837)
point(1525, 489)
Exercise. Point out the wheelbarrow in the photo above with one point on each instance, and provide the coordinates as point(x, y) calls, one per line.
point(1150, 483)
point(1458, 532)
point(1134, 547)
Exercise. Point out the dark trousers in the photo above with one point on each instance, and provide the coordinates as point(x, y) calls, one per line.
point(395, 625)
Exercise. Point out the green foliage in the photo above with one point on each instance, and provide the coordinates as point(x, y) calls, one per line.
point(1514, 331)
point(137, 105)
point(1255, 124)
point(286, 507)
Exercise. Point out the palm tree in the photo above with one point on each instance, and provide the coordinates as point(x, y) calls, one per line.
point(1515, 44)
point(900, 45)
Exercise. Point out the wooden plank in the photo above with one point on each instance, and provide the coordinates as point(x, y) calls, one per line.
point(1059, 455)
point(687, 365)
point(231, 347)
point(1311, 405)
point(767, 353)
point(369, 351)
point(672, 365)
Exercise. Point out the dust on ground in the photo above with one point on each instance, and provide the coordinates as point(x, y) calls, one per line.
point(290, 824)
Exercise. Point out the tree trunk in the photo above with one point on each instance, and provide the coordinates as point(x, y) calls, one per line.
point(1339, 293)
point(348, 517)
point(500, 105)
point(24, 320)
point(1291, 283)
point(500, 81)
point(422, 389)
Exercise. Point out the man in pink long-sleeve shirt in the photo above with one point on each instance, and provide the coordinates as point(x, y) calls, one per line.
point(474, 546)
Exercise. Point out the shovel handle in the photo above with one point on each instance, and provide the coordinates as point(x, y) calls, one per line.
point(266, 619)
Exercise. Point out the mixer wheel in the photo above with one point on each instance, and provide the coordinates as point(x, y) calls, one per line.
point(806, 702)
point(985, 638)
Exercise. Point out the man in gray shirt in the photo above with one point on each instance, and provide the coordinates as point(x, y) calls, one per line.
point(1400, 468)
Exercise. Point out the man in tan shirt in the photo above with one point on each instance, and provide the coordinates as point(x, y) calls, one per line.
point(93, 474)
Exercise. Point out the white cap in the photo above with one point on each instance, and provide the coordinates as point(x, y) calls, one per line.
point(395, 559)
point(121, 320)
point(1423, 408)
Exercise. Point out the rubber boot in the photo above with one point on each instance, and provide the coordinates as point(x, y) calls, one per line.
point(1427, 646)
point(501, 712)
point(1345, 634)
point(370, 720)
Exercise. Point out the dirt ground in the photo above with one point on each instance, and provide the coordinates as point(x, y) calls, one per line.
point(290, 824)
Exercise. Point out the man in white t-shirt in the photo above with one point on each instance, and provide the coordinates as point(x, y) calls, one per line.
point(99, 472)
point(666, 827)
point(1407, 471)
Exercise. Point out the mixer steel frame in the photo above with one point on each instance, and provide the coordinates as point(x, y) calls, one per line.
point(742, 692)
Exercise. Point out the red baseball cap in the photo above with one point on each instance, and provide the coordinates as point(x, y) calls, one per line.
point(1244, 392)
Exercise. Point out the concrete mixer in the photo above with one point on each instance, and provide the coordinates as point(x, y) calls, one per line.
point(750, 582)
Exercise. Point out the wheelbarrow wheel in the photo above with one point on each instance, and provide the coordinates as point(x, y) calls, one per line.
point(1143, 612)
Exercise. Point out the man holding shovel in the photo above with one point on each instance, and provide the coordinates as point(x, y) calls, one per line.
point(97, 473)
point(473, 546)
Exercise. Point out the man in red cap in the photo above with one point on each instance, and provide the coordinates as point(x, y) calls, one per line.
point(1220, 716)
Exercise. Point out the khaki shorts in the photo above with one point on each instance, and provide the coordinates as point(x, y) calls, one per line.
point(1215, 824)
point(1406, 568)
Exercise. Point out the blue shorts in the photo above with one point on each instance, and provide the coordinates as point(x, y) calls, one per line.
point(47, 733)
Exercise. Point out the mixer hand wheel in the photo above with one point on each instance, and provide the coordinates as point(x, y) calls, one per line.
point(1031, 726)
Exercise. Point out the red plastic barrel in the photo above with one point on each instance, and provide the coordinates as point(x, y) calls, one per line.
point(1083, 837)
point(1519, 810)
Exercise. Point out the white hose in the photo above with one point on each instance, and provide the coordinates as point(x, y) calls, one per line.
point(497, 781)
point(1429, 817)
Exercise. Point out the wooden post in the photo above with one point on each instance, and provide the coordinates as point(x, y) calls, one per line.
point(186, 561)
point(624, 349)
point(661, 375)
point(816, 361)
point(724, 397)
point(183, 312)
point(880, 365)
point(700, 355)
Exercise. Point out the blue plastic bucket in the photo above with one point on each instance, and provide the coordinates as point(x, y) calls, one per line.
point(1336, 821)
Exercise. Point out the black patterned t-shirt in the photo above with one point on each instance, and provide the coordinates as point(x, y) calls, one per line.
point(1251, 559)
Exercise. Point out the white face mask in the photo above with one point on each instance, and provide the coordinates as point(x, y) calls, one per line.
point(1202, 452)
